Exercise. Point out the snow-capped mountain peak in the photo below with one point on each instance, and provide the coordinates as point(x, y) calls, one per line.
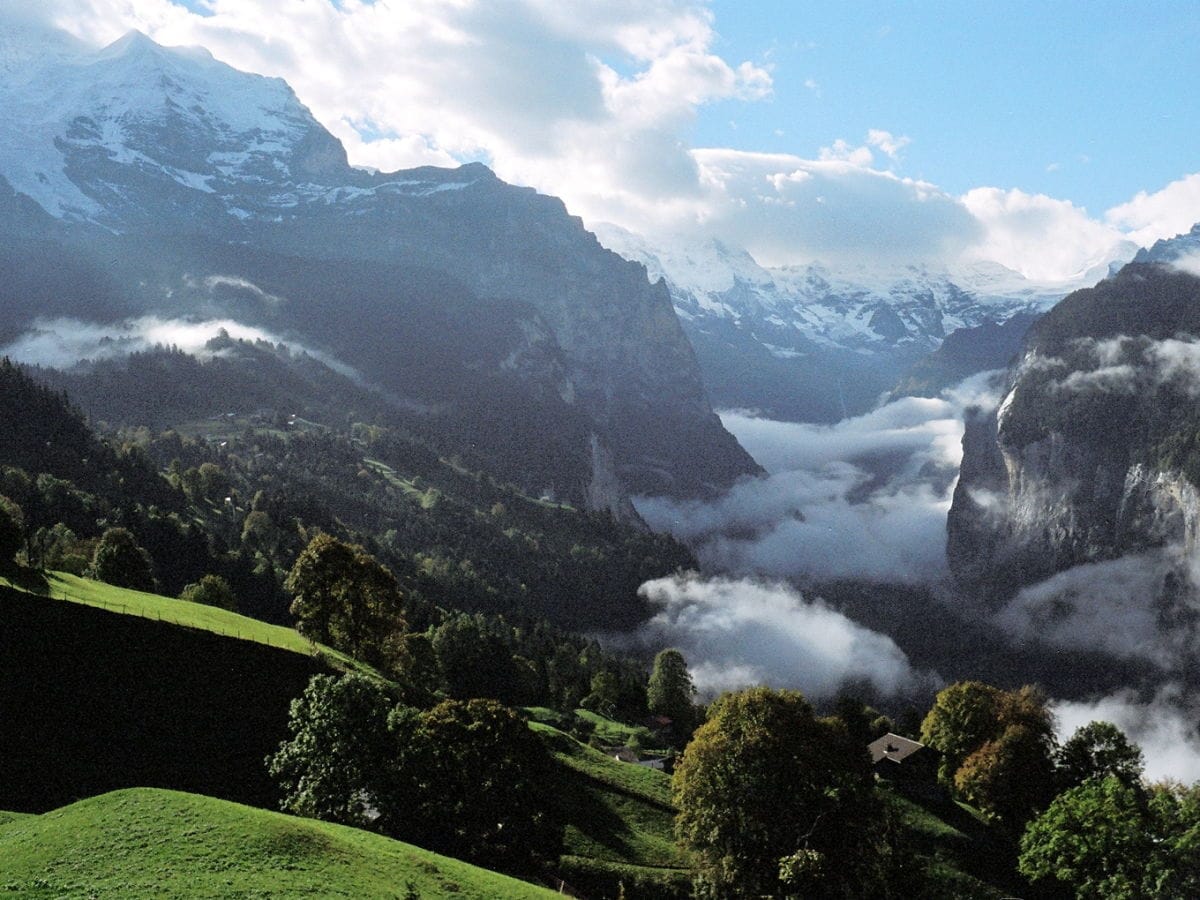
point(864, 306)
point(81, 128)
point(1182, 251)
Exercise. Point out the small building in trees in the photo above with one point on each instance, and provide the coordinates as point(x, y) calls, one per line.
point(904, 761)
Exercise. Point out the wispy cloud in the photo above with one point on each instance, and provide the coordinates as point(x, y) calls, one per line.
point(1114, 607)
point(62, 343)
point(1164, 727)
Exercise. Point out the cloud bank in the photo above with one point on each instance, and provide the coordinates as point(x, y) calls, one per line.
point(62, 343)
point(741, 632)
point(866, 498)
point(1115, 607)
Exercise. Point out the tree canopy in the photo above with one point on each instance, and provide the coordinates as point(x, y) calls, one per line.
point(334, 765)
point(211, 590)
point(344, 598)
point(1097, 750)
point(997, 747)
point(462, 778)
point(119, 560)
point(1106, 838)
point(670, 693)
point(765, 781)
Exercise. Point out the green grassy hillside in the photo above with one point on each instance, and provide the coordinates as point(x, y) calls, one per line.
point(64, 586)
point(154, 844)
point(620, 823)
point(963, 856)
point(94, 700)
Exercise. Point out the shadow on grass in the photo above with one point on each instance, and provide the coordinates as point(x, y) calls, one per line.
point(987, 852)
point(32, 580)
point(580, 807)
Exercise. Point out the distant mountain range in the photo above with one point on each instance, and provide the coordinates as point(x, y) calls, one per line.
point(141, 181)
point(816, 343)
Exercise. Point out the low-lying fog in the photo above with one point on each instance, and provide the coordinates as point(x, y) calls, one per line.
point(867, 499)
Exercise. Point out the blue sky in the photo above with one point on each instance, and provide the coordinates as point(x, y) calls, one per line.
point(1090, 101)
point(1048, 137)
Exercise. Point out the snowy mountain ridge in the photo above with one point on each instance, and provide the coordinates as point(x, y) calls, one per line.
point(797, 309)
point(138, 180)
point(817, 343)
point(85, 132)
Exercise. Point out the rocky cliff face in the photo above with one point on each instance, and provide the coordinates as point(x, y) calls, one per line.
point(178, 186)
point(1092, 453)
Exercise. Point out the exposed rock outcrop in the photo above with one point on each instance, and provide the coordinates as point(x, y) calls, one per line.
point(1092, 454)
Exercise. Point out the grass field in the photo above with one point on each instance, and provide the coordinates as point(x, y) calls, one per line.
point(146, 843)
point(964, 855)
point(63, 586)
point(616, 733)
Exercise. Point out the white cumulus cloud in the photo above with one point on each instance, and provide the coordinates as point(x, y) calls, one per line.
point(1165, 213)
point(1042, 238)
point(739, 632)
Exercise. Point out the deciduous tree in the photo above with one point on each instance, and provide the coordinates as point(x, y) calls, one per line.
point(341, 596)
point(464, 778)
point(963, 717)
point(119, 560)
point(335, 765)
point(1010, 778)
point(211, 590)
point(1097, 750)
point(1100, 839)
point(773, 800)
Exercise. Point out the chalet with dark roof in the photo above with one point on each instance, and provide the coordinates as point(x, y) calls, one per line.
point(899, 759)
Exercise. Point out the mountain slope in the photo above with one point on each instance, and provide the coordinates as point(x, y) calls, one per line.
point(178, 186)
point(1087, 476)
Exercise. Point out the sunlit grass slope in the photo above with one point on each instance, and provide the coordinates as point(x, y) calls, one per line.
point(146, 843)
point(63, 586)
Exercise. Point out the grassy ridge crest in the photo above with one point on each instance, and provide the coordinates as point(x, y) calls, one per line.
point(148, 843)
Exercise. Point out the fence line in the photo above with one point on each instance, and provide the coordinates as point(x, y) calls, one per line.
point(157, 615)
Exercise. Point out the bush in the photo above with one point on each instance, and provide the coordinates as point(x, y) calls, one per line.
point(120, 561)
point(211, 590)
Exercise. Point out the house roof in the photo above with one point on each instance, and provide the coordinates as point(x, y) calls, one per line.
point(893, 747)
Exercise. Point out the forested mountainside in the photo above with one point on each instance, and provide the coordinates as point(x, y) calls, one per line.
point(239, 495)
point(485, 304)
